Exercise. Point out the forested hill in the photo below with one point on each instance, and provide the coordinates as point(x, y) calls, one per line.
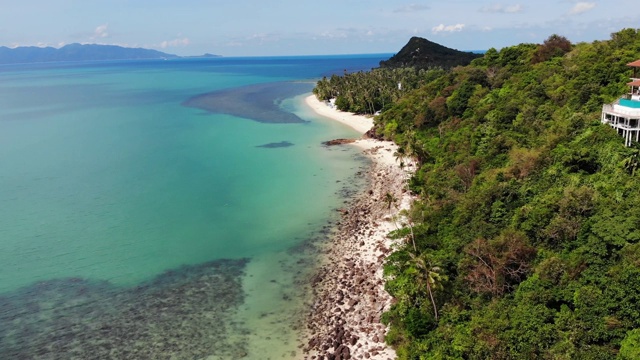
point(417, 63)
point(77, 52)
point(421, 53)
point(526, 227)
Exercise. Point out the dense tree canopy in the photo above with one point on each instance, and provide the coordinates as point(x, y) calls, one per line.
point(370, 92)
point(526, 230)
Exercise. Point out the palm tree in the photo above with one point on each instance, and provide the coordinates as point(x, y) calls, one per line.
point(400, 155)
point(631, 162)
point(409, 223)
point(414, 147)
point(428, 274)
point(389, 200)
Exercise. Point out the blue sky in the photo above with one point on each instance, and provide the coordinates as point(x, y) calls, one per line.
point(303, 27)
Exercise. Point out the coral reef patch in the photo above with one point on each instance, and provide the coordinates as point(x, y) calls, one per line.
point(275, 145)
point(259, 102)
point(181, 314)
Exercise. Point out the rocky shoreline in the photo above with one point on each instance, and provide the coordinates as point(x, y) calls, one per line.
point(343, 321)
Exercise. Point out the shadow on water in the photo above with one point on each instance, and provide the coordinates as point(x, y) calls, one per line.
point(276, 145)
point(259, 102)
point(182, 314)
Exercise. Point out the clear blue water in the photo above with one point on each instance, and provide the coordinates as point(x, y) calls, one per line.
point(133, 226)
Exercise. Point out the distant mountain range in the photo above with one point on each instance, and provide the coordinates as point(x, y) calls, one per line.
point(422, 53)
point(80, 52)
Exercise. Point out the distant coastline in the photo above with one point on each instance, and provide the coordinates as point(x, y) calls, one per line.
point(349, 295)
point(83, 52)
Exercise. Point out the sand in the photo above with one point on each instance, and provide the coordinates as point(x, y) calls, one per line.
point(348, 288)
point(360, 123)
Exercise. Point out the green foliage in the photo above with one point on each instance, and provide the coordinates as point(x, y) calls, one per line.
point(630, 346)
point(527, 215)
point(369, 92)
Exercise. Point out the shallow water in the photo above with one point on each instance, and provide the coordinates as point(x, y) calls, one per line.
point(183, 313)
point(255, 102)
point(135, 227)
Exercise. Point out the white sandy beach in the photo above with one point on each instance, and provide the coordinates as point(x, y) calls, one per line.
point(349, 287)
point(360, 123)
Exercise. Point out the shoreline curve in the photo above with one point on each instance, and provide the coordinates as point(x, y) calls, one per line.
point(348, 286)
point(359, 123)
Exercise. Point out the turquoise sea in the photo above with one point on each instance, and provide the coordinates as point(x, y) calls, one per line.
point(165, 209)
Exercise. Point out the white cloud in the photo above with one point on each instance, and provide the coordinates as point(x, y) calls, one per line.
point(503, 9)
point(174, 43)
point(264, 38)
point(333, 34)
point(411, 8)
point(514, 9)
point(254, 39)
point(258, 36)
point(447, 28)
point(39, 44)
point(349, 33)
point(101, 32)
point(581, 7)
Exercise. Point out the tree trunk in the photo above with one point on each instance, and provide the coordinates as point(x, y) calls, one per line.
point(433, 302)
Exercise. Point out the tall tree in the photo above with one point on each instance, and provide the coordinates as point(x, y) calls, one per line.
point(427, 274)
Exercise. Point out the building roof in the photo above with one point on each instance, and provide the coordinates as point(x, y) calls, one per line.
point(634, 83)
point(634, 63)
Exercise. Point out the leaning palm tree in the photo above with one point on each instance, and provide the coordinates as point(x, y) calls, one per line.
point(405, 213)
point(428, 274)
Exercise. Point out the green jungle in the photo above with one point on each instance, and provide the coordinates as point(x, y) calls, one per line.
point(524, 240)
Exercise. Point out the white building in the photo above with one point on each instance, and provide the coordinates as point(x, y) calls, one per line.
point(624, 114)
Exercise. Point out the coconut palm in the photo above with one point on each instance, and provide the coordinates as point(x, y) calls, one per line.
point(390, 200)
point(427, 274)
point(404, 213)
point(631, 162)
point(400, 155)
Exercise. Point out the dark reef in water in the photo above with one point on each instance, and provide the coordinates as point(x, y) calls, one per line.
point(274, 145)
point(259, 102)
point(181, 314)
point(338, 142)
